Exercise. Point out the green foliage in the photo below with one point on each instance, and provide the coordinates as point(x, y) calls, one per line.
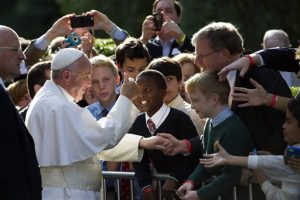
point(105, 46)
point(32, 18)
point(295, 91)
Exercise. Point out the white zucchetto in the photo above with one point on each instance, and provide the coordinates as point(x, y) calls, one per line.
point(65, 57)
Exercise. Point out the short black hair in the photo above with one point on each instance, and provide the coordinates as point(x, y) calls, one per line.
point(36, 75)
point(158, 78)
point(167, 66)
point(294, 108)
point(131, 48)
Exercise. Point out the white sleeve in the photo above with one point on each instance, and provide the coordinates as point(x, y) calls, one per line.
point(127, 150)
point(272, 192)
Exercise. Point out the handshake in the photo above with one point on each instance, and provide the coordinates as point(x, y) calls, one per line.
point(166, 143)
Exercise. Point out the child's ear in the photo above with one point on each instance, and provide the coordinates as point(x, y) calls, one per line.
point(215, 98)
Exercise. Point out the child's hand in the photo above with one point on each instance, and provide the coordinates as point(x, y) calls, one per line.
point(218, 159)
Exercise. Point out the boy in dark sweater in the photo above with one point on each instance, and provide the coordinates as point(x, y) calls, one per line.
point(209, 98)
point(157, 117)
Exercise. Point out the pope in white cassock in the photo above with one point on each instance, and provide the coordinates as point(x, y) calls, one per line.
point(67, 137)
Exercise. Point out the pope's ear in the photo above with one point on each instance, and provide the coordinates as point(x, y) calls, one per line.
point(66, 75)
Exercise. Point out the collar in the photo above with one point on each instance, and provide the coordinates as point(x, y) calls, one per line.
point(108, 108)
point(65, 93)
point(224, 114)
point(159, 116)
point(176, 101)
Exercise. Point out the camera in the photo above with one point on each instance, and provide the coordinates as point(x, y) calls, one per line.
point(73, 39)
point(157, 20)
point(291, 151)
point(82, 21)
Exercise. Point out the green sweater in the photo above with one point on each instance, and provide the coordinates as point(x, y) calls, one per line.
point(235, 138)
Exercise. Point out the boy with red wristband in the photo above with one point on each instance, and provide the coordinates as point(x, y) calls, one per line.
point(209, 99)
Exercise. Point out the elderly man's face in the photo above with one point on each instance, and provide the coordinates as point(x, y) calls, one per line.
point(11, 54)
point(80, 78)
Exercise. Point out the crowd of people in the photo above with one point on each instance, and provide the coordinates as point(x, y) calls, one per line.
point(160, 104)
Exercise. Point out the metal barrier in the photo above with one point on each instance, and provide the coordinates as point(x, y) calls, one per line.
point(116, 175)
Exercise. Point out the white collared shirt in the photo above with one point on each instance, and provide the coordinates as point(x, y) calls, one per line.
point(159, 117)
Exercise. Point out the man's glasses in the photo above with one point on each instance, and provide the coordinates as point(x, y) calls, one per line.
point(16, 49)
point(201, 56)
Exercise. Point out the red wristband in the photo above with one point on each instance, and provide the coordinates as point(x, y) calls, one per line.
point(273, 101)
point(189, 181)
point(148, 189)
point(188, 145)
point(251, 61)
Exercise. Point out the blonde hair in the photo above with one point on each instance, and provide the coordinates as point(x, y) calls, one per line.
point(184, 58)
point(103, 61)
point(208, 83)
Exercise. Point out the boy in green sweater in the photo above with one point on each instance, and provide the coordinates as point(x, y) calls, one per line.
point(209, 98)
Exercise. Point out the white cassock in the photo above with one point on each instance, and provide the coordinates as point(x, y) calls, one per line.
point(68, 139)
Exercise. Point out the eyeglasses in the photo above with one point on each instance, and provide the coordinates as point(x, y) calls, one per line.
point(201, 56)
point(16, 49)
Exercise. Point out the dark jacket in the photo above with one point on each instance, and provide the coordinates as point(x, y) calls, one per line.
point(264, 123)
point(20, 176)
point(180, 126)
point(155, 49)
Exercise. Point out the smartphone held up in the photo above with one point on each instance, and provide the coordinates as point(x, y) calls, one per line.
point(157, 20)
point(82, 21)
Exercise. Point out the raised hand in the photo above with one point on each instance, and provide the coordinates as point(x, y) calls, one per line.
point(61, 27)
point(101, 21)
point(87, 43)
point(170, 29)
point(148, 29)
point(129, 88)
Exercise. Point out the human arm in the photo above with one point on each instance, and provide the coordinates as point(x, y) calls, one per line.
point(87, 44)
point(185, 191)
point(185, 147)
point(294, 163)
point(276, 58)
point(148, 29)
point(38, 47)
point(223, 158)
point(129, 88)
point(131, 148)
point(259, 96)
point(102, 22)
point(271, 191)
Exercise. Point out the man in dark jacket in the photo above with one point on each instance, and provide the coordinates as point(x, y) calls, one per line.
point(20, 176)
point(170, 39)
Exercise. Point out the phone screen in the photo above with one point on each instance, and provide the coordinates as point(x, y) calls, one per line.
point(82, 21)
